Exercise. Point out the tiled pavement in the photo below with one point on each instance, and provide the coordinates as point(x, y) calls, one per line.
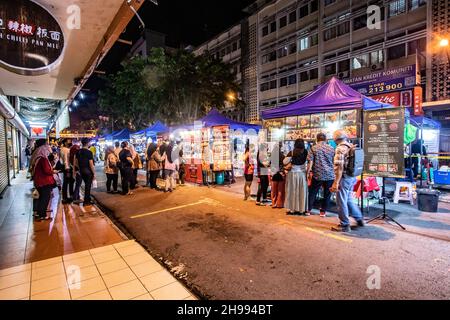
point(122, 271)
point(77, 255)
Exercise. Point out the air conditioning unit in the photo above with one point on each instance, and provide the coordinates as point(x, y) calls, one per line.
point(377, 66)
point(344, 74)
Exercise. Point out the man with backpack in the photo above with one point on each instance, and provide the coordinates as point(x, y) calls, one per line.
point(348, 163)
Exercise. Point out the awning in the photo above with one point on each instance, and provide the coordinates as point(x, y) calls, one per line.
point(215, 118)
point(121, 135)
point(422, 122)
point(329, 97)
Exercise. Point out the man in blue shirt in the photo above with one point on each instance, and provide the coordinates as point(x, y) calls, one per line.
point(320, 163)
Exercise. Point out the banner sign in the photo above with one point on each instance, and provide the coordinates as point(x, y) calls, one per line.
point(31, 39)
point(396, 79)
point(383, 142)
point(38, 133)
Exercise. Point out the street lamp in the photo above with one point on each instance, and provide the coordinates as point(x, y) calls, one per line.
point(231, 96)
point(444, 44)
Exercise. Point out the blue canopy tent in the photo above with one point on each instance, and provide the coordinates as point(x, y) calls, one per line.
point(215, 118)
point(121, 135)
point(422, 122)
point(332, 96)
point(153, 130)
point(109, 136)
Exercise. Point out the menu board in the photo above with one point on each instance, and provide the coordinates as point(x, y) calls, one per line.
point(221, 148)
point(308, 126)
point(383, 142)
point(298, 134)
point(292, 122)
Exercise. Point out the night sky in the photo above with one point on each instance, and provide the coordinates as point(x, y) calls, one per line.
point(184, 22)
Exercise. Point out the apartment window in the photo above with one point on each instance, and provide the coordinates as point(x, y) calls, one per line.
point(329, 34)
point(265, 31)
point(361, 61)
point(360, 22)
point(419, 45)
point(396, 52)
point(283, 22)
point(304, 11)
point(292, 16)
point(273, 84)
point(292, 48)
point(235, 46)
point(344, 66)
point(304, 76)
point(273, 27)
point(313, 74)
point(222, 53)
point(283, 82)
point(264, 86)
point(330, 69)
point(415, 4)
point(303, 44)
point(314, 40)
point(377, 57)
point(292, 79)
point(228, 49)
point(328, 2)
point(282, 52)
point(343, 28)
point(314, 6)
point(397, 7)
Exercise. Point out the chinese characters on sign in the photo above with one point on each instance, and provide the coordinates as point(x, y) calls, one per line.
point(31, 39)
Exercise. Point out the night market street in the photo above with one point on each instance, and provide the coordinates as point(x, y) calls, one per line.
point(225, 248)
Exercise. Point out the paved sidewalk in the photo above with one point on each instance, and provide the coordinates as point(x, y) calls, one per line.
point(41, 260)
point(122, 271)
point(73, 228)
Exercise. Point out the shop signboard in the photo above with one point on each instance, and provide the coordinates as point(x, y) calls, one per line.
point(381, 82)
point(418, 101)
point(38, 133)
point(32, 41)
point(383, 142)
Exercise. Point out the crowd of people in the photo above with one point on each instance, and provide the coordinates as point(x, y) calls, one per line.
point(297, 177)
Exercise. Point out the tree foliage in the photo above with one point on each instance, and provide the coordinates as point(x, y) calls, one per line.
point(174, 88)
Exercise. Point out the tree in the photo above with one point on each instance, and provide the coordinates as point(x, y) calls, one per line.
point(175, 88)
point(127, 98)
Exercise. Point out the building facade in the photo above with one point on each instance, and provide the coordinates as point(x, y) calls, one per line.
point(302, 44)
point(291, 46)
point(227, 46)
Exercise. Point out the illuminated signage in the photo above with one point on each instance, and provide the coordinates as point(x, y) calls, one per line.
point(391, 80)
point(31, 39)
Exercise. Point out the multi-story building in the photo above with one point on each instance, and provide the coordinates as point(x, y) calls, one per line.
point(291, 46)
point(301, 44)
point(227, 46)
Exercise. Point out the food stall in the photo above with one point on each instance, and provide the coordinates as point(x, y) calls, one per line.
point(332, 106)
point(226, 140)
point(142, 138)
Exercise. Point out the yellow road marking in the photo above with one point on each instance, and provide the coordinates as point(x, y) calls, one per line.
point(330, 235)
point(205, 201)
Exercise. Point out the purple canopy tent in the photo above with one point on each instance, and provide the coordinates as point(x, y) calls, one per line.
point(329, 97)
point(215, 118)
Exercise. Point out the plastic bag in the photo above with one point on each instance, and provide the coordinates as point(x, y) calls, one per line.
point(35, 195)
point(94, 184)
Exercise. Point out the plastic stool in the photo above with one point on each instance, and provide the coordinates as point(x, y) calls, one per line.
point(409, 193)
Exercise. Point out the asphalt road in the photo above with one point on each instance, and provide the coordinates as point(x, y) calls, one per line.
point(225, 248)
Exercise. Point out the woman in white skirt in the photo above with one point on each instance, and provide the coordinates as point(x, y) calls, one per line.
point(296, 183)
